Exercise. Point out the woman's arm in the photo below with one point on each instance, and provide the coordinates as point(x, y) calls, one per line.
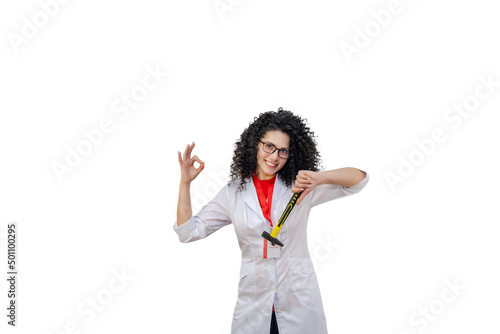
point(188, 174)
point(307, 180)
point(346, 176)
point(184, 211)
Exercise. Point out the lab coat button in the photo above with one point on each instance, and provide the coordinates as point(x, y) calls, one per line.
point(270, 263)
point(274, 288)
point(278, 310)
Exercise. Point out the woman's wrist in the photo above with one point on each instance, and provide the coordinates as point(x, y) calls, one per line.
point(185, 183)
point(322, 178)
point(347, 176)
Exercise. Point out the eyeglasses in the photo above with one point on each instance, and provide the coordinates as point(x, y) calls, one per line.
point(270, 148)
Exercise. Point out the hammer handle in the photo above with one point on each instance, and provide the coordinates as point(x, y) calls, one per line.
point(285, 214)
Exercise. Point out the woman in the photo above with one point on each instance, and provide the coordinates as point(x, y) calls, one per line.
point(275, 157)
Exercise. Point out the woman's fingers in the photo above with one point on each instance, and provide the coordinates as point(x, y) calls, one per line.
point(301, 197)
point(201, 166)
point(188, 170)
point(198, 160)
point(303, 183)
point(190, 150)
point(185, 152)
point(179, 157)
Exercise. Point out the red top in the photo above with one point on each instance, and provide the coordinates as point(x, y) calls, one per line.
point(266, 183)
point(265, 193)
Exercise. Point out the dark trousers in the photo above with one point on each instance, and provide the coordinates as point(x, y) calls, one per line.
point(274, 324)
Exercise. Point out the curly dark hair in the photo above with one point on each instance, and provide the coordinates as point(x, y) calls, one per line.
point(303, 152)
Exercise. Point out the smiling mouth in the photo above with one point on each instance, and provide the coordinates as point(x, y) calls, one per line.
point(270, 164)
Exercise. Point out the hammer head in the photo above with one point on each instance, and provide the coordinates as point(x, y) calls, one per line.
point(269, 237)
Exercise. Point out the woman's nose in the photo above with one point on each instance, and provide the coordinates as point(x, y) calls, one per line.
point(275, 155)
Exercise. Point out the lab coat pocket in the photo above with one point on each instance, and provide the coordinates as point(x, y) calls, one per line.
point(246, 269)
point(304, 283)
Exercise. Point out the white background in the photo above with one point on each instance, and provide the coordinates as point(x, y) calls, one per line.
point(115, 210)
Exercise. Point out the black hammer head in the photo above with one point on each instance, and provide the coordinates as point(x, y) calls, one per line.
point(269, 237)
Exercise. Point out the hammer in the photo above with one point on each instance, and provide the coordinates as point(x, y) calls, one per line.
point(272, 237)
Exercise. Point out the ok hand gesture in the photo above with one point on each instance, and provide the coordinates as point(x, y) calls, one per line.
point(188, 172)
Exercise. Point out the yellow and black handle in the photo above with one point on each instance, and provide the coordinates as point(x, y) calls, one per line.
point(272, 236)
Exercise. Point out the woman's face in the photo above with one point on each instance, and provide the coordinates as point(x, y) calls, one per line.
point(269, 164)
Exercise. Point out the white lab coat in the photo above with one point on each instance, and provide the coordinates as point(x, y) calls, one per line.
point(289, 282)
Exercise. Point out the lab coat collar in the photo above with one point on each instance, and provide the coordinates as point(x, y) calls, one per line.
point(252, 200)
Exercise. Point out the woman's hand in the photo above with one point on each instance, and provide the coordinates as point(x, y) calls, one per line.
point(306, 181)
point(188, 172)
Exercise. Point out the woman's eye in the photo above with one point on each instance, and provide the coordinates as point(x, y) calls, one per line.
point(269, 146)
point(284, 151)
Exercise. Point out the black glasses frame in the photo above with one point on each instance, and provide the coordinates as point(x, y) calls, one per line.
point(275, 148)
